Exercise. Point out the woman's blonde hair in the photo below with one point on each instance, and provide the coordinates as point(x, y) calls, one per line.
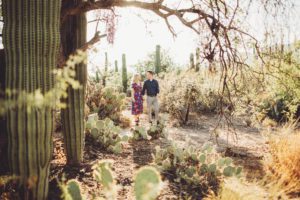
point(136, 78)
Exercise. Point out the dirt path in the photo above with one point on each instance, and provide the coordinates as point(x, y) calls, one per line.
point(246, 152)
point(135, 155)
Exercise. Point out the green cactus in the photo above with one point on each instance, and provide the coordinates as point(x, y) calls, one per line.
point(124, 74)
point(71, 190)
point(116, 66)
point(31, 41)
point(147, 183)
point(157, 60)
point(73, 36)
point(199, 169)
point(105, 134)
point(197, 59)
point(192, 61)
point(104, 175)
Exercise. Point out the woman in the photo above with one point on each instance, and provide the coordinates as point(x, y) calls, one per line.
point(137, 98)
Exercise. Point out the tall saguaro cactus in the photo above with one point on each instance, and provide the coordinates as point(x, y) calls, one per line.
point(73, 36)
point(31, 42)
point(197, 59)
point(124, 73)
point(157, 59)
point(116, 66)
point(192, 61)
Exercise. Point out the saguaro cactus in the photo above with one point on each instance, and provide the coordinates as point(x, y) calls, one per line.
point(31, 42)
point(105, 70)
point(73, 35)
point(157, 60)
point(116, 66)
point(192, 61)
point(197, 59)
point(124, 73)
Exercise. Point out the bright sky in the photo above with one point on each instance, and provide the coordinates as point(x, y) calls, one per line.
point(137, 38)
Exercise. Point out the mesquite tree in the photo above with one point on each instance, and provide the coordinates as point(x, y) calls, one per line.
point(124, 73)
point(157, 59)
point(73, 34)
point(31, 42)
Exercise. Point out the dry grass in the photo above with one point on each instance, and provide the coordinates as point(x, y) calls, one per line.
point(236, 189)
point(283, 163)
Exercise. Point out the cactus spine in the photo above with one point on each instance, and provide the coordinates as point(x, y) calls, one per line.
point(116, 66)
point(192, 61)
point(73, 37)
point(197, 59)
point(124, 73)
point(31, 41)
point(157, 60)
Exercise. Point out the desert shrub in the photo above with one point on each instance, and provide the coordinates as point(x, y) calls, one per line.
point(200, 171)
point(282, 164)
point(105, 134)
point(93, 96)
point(187, 91)
point(111, 104)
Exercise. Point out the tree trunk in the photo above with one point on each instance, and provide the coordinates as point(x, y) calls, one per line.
point(73, 34)
point(31, 43)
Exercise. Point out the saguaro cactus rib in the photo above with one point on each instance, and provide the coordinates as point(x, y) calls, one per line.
point(31, 43)
point(73, 37)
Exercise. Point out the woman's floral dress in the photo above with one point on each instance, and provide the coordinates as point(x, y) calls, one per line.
point(137, 105)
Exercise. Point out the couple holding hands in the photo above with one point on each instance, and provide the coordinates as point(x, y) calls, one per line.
point(151, 89)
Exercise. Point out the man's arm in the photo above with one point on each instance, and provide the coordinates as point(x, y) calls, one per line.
point(144, 88)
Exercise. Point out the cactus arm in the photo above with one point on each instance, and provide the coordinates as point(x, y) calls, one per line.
point(74, 36)
point(192, 62)
point(31, 41)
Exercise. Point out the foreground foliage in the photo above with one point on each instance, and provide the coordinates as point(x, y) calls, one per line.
point(147, 184)
point(198, 170)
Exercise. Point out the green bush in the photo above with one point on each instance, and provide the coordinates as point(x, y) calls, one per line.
point(198, 170)
point(105, 133)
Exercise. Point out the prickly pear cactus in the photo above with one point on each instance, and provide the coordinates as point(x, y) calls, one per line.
point(199, 169)
point(103, 174)
point(31, 41)
point(157, 60)
point(71, 190)
point(147, 183)
point(73, 34)
point(140, 133)
point(105, 134)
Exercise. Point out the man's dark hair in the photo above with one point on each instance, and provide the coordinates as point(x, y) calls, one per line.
point(151, 72)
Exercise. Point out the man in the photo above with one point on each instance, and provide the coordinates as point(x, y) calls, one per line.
point(151, 88)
